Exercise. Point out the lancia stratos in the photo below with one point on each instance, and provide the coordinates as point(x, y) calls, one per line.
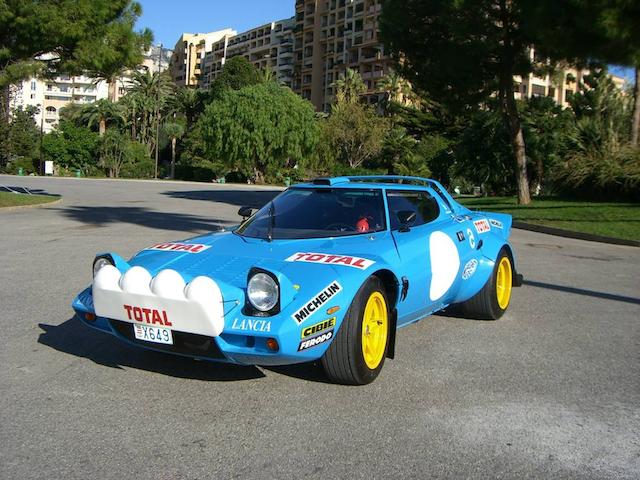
point(328, 270)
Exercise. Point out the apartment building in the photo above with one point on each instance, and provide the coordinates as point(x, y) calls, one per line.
point(267, 46)
point(185, 66)
point(331, 36)
point(50, 95)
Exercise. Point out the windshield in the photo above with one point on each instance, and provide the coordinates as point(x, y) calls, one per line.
point(319, 212)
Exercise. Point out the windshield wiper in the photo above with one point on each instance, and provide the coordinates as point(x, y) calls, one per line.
point(272, 221)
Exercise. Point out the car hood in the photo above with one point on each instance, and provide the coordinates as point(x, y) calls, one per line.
point(228, 257)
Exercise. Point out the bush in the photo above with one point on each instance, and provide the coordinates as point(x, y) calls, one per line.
point(138, 164)
point(28, 166)
point(71, 148)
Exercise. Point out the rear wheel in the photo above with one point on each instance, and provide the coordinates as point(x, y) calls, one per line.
point(357, 353)
point(492, 301)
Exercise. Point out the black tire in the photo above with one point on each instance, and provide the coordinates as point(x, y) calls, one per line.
point(484, 304)
point(344, 360)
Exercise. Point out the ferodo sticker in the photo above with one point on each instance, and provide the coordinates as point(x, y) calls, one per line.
point(318, 327)
point(355, 262)
point(179, 247)
point(482, 226)
point(469, 269)
point(495, 223)
point(316, 302)
point(315, 341)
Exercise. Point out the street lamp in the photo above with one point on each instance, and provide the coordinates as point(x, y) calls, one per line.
point(41, 168)
point(158, 109)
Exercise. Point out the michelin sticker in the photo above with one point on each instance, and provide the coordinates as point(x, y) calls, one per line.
point(316, 302)
point(469, 269)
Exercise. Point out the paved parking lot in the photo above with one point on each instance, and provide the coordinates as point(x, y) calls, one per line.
point(552, 390)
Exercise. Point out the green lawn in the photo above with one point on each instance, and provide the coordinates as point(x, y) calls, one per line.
point(8, 199)
point(619, 220)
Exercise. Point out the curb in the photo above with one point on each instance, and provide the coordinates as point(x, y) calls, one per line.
point(571, 234)
point(35, 205)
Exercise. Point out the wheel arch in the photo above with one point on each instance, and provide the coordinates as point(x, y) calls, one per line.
point(392, 289)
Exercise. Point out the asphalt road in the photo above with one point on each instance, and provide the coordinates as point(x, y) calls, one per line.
point(552, 390)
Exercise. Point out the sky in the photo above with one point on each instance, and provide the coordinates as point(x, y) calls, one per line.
point(168, 19)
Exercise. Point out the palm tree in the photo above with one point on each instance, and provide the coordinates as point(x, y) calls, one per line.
point(174, 130)
point(188, 102)
point(350, 86)
point(102, 112)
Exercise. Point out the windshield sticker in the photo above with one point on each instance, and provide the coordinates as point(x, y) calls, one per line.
point(179, 247)
point(355, 262)
point(495, 223)
point(482, 226)
point(469, 269)
point(316, 302)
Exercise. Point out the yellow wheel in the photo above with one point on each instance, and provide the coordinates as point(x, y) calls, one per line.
point(357, 352)
point(493, 299)
point(375, 327)
point(504, 282)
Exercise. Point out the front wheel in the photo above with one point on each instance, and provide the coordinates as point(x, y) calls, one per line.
point(492, 301)
point(357, 353)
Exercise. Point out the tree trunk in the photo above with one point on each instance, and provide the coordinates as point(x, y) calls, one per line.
point(112, 85)
point(102, 127)
point(173, 157)
point(636, 110)
point(510, 112)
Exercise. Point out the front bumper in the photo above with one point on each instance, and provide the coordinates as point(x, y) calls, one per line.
point(231, 346)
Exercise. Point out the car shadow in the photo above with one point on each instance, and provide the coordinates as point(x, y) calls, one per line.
point(239, 198)
point(312, 371)
point(102, 216)
point(75, 338)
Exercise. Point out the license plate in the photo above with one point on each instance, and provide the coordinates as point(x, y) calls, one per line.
point(153, 334)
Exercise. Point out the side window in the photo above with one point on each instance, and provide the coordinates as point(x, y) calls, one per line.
point(402, 204)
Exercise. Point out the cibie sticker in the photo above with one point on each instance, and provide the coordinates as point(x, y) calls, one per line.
point(179, 247)
point(482, 226)
point(315, 341)
point(472, 239)
point(316, 302)
point(469, 269)
point(355, 262)
point(318, 327)
point(495, 223)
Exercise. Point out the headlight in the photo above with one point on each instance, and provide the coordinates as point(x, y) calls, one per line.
point(262, 291)
point(100, 262)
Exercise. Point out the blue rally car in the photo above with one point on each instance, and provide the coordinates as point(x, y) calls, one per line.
point(327, 270)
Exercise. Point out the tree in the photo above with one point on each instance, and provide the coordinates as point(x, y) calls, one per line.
point(237, 73)
point(113, 152)
point(350, 86)
point(188, 102)
point(396, 88)
point(355, 132)
point(19, 139)
point(587, 30)
point(72, 147)
point(463, 52)
point(259, 131)
point(101, 113)
point(40, 36)
point(174, 130)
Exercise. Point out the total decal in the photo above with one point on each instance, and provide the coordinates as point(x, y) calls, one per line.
point(252, 325)
point(495, 223)
point(469, 269)
point(482, 226)
point(179, 247)
point(318, 327)
point(147, 315)
point(348, 261)
point(316, 302)
point(315, 341)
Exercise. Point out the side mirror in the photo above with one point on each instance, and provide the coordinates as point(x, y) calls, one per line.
point(406, 219)
point(245, 212)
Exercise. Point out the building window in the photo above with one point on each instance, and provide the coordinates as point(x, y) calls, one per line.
point(33, 86)
point(552, 92)
point(567, 95)
point(537, 90)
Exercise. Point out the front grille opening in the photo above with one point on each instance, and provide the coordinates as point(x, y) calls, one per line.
point(185, 343)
